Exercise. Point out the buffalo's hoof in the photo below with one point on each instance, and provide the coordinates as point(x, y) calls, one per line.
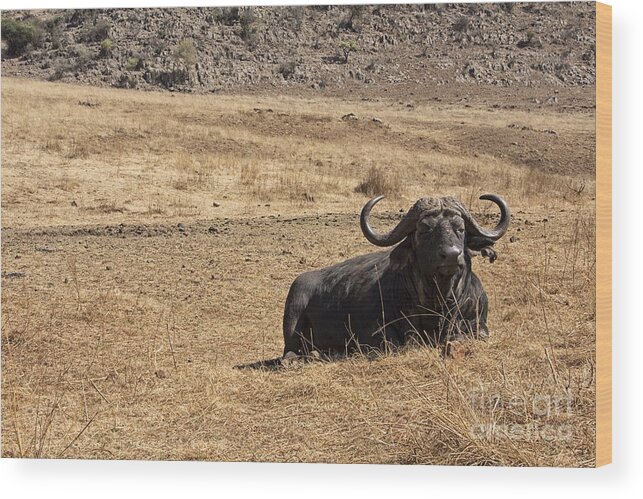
point(314, 356)
point(289, 359)
point(453, 350)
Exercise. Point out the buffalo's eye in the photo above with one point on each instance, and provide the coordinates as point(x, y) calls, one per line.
point(429, 224)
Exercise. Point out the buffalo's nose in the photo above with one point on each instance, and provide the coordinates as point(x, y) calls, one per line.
point(450, 255)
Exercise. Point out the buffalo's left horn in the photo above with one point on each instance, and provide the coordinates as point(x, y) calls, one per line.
point(499, 230)
point(403, 229)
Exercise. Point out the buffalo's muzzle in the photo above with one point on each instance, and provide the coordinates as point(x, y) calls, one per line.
point(450, 256)
point(451, 260)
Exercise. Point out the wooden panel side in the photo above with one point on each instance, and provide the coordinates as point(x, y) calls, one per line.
point(603, 234)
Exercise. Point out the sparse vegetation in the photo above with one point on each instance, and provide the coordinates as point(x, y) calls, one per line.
point(530, 40)
point(399, 33)
point(530, 36)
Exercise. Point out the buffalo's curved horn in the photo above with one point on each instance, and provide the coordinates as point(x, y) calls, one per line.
point(406, 226)
point(492, 235)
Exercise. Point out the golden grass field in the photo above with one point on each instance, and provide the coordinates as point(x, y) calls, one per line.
point(149, 241)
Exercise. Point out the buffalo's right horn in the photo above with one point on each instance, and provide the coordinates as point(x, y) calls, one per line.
point(403, 229)
point(500, 229)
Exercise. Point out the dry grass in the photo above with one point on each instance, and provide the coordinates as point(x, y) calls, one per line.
point(118, 341)
point(378, 181)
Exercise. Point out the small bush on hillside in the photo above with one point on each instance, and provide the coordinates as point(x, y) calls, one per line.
point(77, 17)
point(98, 32)
point(229, 16)
point(83, 57)
point(167, 79)
point(158, 46)
point(53, 27)
point(462, 24)
point(106, 48)
point(248, 23)
point(185, 53)
point(287, 69)
point(297, 15)
point(126, 81)
point(134, 64)
point(59, 73)
point(507, 7)
point(18, 35)
point(347, 46)
point(353, 18)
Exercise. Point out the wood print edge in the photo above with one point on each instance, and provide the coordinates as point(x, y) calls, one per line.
point(603, 234)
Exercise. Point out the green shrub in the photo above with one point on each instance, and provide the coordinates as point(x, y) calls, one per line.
point(347, 46)
point(133, 63)
point(18, 35)
point(185, 52)
point(106, 47)
point(530, 36)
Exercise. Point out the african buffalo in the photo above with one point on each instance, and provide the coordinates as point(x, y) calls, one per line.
point(423, 288)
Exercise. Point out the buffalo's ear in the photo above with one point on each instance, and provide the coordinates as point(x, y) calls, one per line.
point(489, 253)
point(484, 252)
point(477, 243)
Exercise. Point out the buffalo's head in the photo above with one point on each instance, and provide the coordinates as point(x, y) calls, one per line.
point(440, 231)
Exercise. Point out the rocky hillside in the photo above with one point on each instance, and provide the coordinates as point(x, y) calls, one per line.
point(318, 47)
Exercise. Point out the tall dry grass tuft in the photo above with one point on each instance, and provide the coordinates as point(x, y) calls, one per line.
point(249, 174)
point(380, 181)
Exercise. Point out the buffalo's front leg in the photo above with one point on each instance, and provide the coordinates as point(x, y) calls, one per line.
point(296, 325)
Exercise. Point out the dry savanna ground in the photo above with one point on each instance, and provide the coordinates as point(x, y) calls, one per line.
point(149, 241)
